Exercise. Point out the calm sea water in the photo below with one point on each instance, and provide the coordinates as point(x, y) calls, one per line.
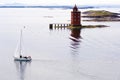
point(58, 54)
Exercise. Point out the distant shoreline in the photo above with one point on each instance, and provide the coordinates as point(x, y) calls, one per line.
point(64, 7)
point(60, 6)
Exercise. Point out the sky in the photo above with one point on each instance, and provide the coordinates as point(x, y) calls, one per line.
point(62, 2)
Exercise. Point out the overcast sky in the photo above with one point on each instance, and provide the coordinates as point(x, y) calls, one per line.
point(62, 2)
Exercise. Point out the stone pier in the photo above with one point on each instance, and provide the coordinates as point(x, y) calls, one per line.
point(59, 25)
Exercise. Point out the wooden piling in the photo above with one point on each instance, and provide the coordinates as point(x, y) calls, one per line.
point(51, 26)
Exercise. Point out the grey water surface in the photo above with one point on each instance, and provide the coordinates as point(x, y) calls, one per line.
point(61, 53)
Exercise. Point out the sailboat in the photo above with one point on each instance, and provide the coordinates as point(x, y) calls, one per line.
point(19, 56)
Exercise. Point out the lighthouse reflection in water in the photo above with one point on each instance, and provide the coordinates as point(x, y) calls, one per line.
point(75, 38)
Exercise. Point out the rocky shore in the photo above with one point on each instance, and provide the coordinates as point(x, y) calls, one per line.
point(100, 15)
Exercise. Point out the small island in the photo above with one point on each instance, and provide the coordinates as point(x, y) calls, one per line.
point(100, 15)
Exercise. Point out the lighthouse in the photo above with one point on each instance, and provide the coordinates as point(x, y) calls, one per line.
point(75, 17)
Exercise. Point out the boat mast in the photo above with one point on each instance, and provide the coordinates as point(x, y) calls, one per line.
point(20, 42)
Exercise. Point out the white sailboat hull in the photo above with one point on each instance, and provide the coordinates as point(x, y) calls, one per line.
point(22, 59)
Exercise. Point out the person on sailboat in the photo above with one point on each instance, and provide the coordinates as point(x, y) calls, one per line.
point(20, 56)
point(25, 57)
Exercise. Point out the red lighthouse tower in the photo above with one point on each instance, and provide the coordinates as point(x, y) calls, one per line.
point(75, 17)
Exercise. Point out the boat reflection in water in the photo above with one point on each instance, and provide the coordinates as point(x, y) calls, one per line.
point(21, 69)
